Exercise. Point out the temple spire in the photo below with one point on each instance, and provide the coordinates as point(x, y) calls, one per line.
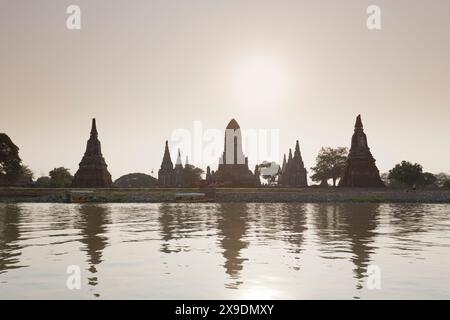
point(360, 170)
point(92, 172)
point(179, 158)
point(358, 123)
point(293, 172)
point(297, 149)
point(94, 132)
point(167, 161)
point(166, 174)
point(233, 168)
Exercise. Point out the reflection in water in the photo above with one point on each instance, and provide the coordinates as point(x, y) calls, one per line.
point(359, 227)
point(166, 220)
point(182, 221)
point(342, 228)
point(294, 226)
point(232, 226)
point(10, 218)
point(292, 250)
point(408, 218)
point(408, 221)
point(92, 223)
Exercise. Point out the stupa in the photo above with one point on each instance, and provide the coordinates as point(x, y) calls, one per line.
point(360, 170)
point(93, 170)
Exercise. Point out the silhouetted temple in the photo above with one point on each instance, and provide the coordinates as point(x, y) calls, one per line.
point(178, 171)
point(360, 170)
point(233, 168)
point(293, 172)
point(93, 171)
point(168, 175)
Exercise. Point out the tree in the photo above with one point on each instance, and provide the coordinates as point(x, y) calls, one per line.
point(60, 178)
point(25, 178)
point(330, 164)
point(136, 180)
point(441, 178)
point(26, 172)
point(427, 179)
point(406, 173)
point(191, 175)
point(446, 184)
point(10, 162)
point(43, 182)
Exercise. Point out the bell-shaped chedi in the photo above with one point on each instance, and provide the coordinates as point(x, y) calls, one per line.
point(93, 171)
point(360, 170)
point(233, 168)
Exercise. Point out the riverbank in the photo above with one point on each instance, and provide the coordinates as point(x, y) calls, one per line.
point(257, 195)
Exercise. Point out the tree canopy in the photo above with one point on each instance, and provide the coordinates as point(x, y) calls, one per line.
point(60, 178)
point(191, 175)
point(136, 180)
point(406, 173)
point(10, 162)
point(43, 182)
point(330, 164)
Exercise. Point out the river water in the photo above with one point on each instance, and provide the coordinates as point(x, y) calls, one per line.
point(225, 251)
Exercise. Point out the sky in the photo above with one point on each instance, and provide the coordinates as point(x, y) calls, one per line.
point(146, 69)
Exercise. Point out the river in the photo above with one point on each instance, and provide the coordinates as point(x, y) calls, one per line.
point(225, 251)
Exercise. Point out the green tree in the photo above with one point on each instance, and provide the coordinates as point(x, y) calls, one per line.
point(136, 180)
point(446, 184)
point(10, 162)
point(406, 173)
point(191, 175)
point(60, 178)
point(427, 179)
point(43, 182)
point(26, 172)
point(330, 164)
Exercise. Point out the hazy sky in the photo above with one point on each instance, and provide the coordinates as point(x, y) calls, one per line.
point(145, 68)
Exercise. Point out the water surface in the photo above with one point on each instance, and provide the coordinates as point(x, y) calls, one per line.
point(225, 251)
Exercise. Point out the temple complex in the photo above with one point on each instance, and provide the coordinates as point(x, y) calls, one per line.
point(360, 170)
point(233, 168)
point(93, 171)
point(293, 172)
point(170, 175)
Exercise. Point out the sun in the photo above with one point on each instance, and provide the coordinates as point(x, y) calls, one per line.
point(259, 83)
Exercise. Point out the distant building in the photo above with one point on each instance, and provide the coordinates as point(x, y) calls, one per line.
point(293, 172)
point(166, 174)
point(178, 171)
point(93, 170)
point(360, 170)
point(170, 175)
point(233, 168)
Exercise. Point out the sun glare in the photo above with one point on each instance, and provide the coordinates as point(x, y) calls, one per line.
point(260, 83)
